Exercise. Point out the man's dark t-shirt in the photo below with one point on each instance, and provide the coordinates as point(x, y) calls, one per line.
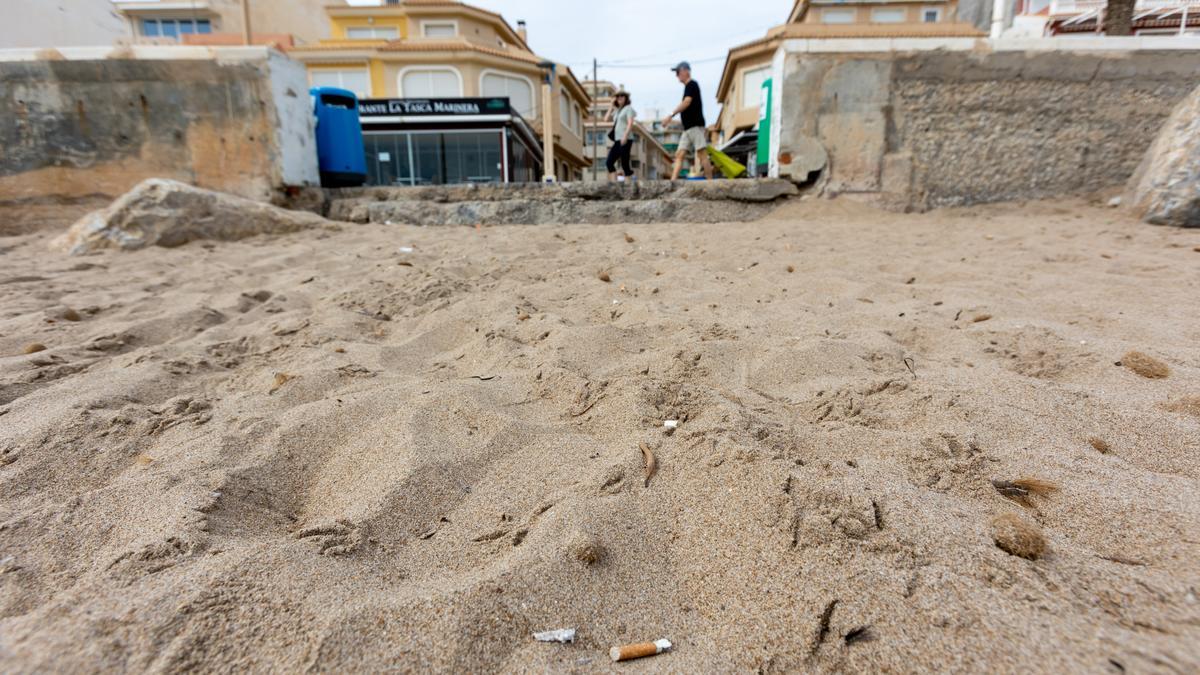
point(694, 115)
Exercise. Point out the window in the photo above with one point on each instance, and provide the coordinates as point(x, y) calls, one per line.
point(352, 79)
point(577, 117)
point(518, 90)
point(173, 28)
point(888, 15)
point(563, 111)
point(837, 16)
point(439, 29)
point(441, 82)
point(372, 33)
point(752, 84)
point(931, 15)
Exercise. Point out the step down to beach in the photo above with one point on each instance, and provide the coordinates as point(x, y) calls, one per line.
point(535, 204)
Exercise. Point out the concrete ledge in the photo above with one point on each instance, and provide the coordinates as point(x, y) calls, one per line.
point(753, 191)
point(535, 204)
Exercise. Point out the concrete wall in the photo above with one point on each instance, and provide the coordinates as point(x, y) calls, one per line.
point(941, 128)
point(90, 128)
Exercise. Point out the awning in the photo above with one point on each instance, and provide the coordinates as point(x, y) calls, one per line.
point(742, 143)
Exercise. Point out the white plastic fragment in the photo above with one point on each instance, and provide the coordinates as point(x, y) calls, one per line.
point(671, 424)
point(563, 635)
point(406, 249)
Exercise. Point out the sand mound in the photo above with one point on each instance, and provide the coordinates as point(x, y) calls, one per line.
point(401, 448)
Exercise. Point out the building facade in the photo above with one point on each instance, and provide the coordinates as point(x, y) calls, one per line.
point(280, 23)
point(649, 159)
point(749, 65)
point(440, 49)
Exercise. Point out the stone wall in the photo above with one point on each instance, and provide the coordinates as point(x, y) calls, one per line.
point(942, 128)
point(82, 131)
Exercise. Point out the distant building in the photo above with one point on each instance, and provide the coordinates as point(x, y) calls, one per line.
point(668, 135)
point(440, 49)
point(31, 24)
point(649, 158)
point(748, 65)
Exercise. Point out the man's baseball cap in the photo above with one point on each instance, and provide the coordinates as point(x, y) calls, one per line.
point(683, 65)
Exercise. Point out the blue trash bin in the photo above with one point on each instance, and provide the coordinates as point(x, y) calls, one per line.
point(340, 154)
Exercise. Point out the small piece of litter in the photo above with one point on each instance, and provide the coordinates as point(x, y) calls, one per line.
point(639, 650)
point(406, 249)
point(650, 462)
point(563, 635)
point(671, 424)
point(1114, 202)
point(280, 380)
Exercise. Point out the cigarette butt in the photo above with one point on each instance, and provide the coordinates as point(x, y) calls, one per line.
point(639, 650)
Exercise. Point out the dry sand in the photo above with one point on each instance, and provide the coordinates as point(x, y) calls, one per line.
point(319, 452)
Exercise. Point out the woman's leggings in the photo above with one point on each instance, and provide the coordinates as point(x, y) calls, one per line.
point(620, 151)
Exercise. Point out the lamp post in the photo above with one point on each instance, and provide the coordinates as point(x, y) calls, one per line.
point(548, 76)
point(595, 121)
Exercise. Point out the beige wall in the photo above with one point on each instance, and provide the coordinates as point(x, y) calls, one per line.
point(863, 11)
point(303, 19)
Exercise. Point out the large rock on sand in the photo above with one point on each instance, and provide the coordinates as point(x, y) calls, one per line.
point(161, 212)
point(1166, 188)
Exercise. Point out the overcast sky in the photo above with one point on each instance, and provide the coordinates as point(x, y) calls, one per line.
point(642, 32)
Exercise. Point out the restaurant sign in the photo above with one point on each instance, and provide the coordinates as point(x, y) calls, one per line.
point(417, 107)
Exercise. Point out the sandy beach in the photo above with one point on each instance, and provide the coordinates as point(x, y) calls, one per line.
point(409, 448)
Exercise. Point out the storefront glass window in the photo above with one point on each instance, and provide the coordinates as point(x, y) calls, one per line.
point(434, 158)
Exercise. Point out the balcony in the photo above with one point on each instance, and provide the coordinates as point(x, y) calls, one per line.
point(1061, 7)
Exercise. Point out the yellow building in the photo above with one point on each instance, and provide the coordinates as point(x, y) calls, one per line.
point(748, 65)
point(440, 49)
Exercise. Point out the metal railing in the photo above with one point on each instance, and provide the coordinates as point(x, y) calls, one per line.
point(1073, 6)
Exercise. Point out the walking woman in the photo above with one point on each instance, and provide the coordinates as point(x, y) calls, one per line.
point(621, 115)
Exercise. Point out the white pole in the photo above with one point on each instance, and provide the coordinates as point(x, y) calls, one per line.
point(549, 175)
point(1183, 21)
point(998, 9)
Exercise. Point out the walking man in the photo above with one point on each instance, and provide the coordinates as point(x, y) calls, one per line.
point(691, 113)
